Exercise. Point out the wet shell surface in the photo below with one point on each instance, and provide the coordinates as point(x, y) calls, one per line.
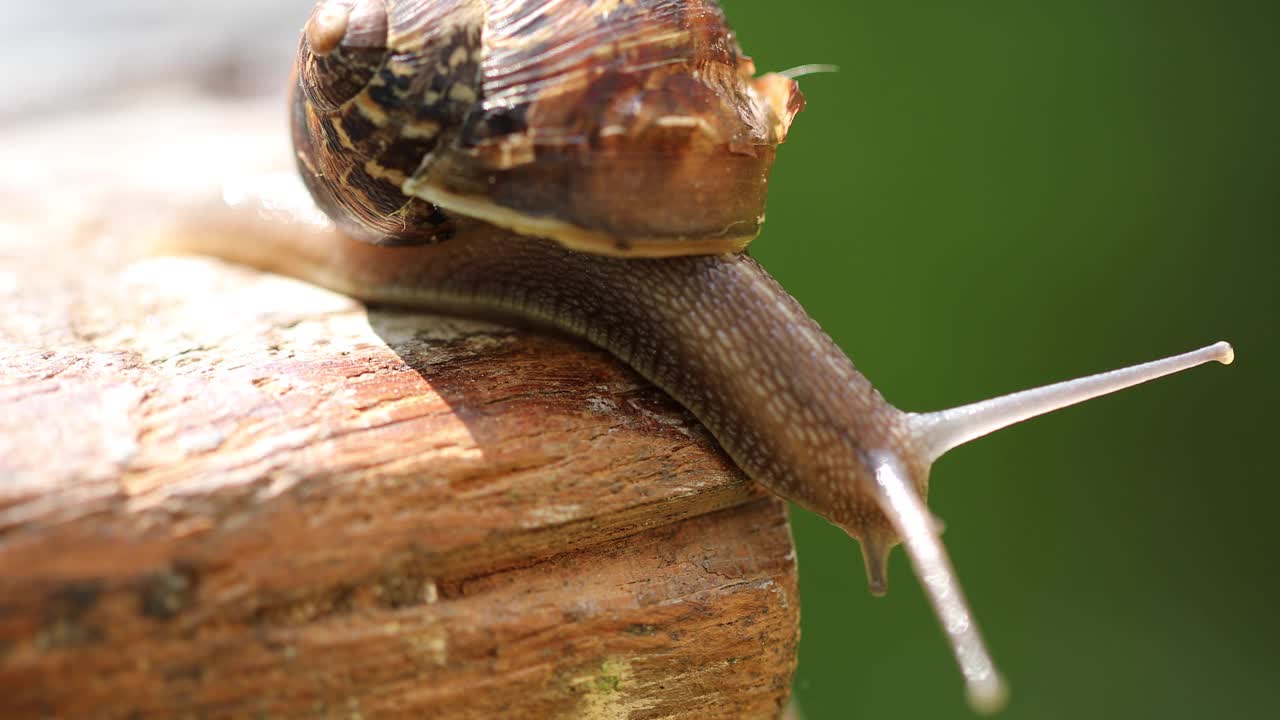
point(616, 127)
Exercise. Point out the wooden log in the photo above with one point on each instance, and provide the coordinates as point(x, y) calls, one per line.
point(229, 494)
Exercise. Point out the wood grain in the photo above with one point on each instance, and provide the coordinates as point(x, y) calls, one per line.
point(225, 493)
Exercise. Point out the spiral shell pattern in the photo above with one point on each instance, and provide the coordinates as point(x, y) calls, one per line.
point(626, 127)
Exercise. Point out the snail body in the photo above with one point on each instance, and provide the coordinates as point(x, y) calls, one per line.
point(604, 191)
point(598, 166)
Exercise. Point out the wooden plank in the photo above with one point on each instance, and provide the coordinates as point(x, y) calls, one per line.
point(226, 493)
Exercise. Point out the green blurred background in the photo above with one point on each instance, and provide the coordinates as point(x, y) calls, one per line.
point(994, 195)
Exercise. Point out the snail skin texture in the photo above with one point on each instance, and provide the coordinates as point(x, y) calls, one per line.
point(598, 167)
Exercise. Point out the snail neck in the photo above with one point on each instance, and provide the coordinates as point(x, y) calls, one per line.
point(715, 332)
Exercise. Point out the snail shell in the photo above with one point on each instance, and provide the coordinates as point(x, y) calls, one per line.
point(622, 128)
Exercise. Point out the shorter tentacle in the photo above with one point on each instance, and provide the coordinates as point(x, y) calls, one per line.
point(986, 690)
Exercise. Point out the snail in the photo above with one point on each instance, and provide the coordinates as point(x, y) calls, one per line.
point(598, 167)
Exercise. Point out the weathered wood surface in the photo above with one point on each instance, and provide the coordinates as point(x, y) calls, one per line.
point(226, 494)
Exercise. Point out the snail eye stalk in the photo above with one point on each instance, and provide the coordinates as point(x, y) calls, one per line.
point(935, 434)
point(946, 430)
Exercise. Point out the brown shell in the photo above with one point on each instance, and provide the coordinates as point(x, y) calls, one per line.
point(631, 127)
